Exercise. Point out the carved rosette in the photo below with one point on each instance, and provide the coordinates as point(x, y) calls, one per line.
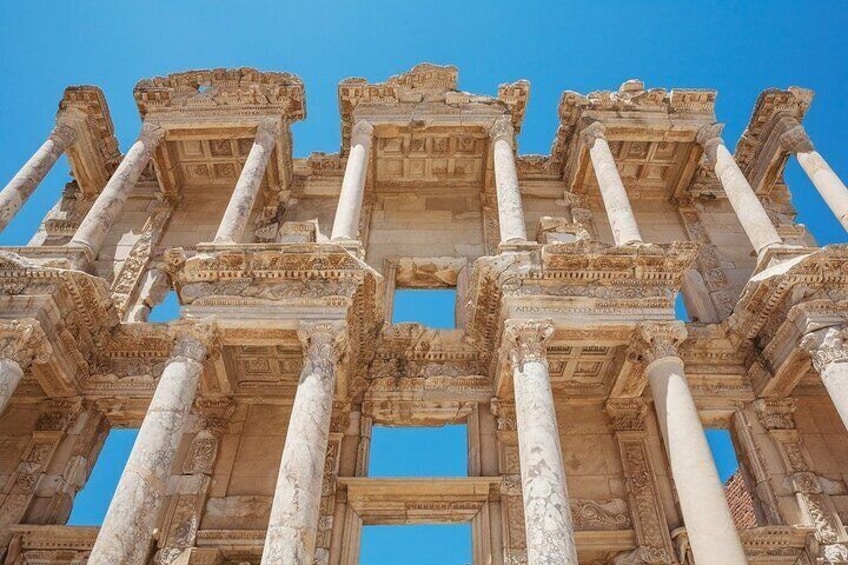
point(195, 340)
point(827, 346)
point(709, 137)
point(502, 130)
point(592, 133)
point(24, 342)
point(661, 339)
point(627, 414)
point(323, 344)
point(526, 341)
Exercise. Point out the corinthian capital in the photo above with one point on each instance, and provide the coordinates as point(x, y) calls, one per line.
point(323, 344)
point(195, 339)
point(795, 139)
point(525, 341)
point(709, 137)
point(361, 133)
point(661, 339)
point(827, 346)
point(151, 133)
point(502, 130)
point(592, 133)
point(267, 132)
point(24, 342)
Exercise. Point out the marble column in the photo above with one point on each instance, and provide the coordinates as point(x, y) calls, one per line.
point(750, 211)
point(346, 222)
point(247, 188)
point(828, 350)
point(832, 189)
point(547, 518)
point(291, 535)
point(22, 342)
point(130, 523)
point(27, 179)
point(709, 524)
point(617, 204)
point(107, 208)
point(510, 209)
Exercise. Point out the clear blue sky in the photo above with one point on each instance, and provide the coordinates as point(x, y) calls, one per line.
point(738, 48)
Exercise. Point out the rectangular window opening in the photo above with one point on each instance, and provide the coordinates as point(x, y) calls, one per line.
point(92, 502)
point(419, 451)
point(445, 544)
point(432, 307)
point(740, 497)
point(167, 310)
point(680, 311)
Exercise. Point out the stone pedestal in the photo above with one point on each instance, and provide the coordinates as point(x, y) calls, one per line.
point(828, 349)
point(753, 217)
point(706, 514)
point(128, 529)
point(548, 525)
point(247, 188)
point(22, 342)
point(290, 539)
point(617, 204)
point(33, 172)
point(346, 223)
point(107, 208)
point(510, 210)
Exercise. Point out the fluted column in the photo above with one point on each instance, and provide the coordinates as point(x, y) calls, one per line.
point(510, 209)
point(107, 208)
point(247, 188)
point(127, 531)
point(547, 518)
point(622, 221)
point(828, 350)
point(750, 211)
point(27, 179)
point(707, 517)
point(290, 539)
point(346, 222)
point(832, 189)
point(22, 342)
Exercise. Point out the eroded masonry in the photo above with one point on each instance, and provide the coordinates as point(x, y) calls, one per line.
point(585, 399)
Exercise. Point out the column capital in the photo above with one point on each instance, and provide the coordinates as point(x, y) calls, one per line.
point(709, 137)
point(64, 134)
point(214, 413)
point(361, 133)
point(776, 413)
point(195, 340)
point(151, 133)
point(593, 132)
point(24, 342)
point(794, 139)
point(526, 340)
point(267, 132)
point(827, 346)
point(627, 414)
point(660, 340)
point(502, 130)
point(323, 345)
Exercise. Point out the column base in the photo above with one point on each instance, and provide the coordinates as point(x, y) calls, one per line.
point(518, 246)
point(776, 255)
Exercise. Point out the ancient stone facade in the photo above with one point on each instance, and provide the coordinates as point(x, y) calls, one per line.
point(585, 399)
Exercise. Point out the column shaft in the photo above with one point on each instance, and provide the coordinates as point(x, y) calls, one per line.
point(828, 349)
point(346, 222)
point(293, 525)
point(247, 188)
point(547, 515)
point(550, 538)
point(710, 526)
point(33, 172)
point(127, 530)
point(832, 189)
point(835, 379)
point(750, 211)
point(622, 221)
point(510, 208)
point(107, 208)
point(11, 374)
